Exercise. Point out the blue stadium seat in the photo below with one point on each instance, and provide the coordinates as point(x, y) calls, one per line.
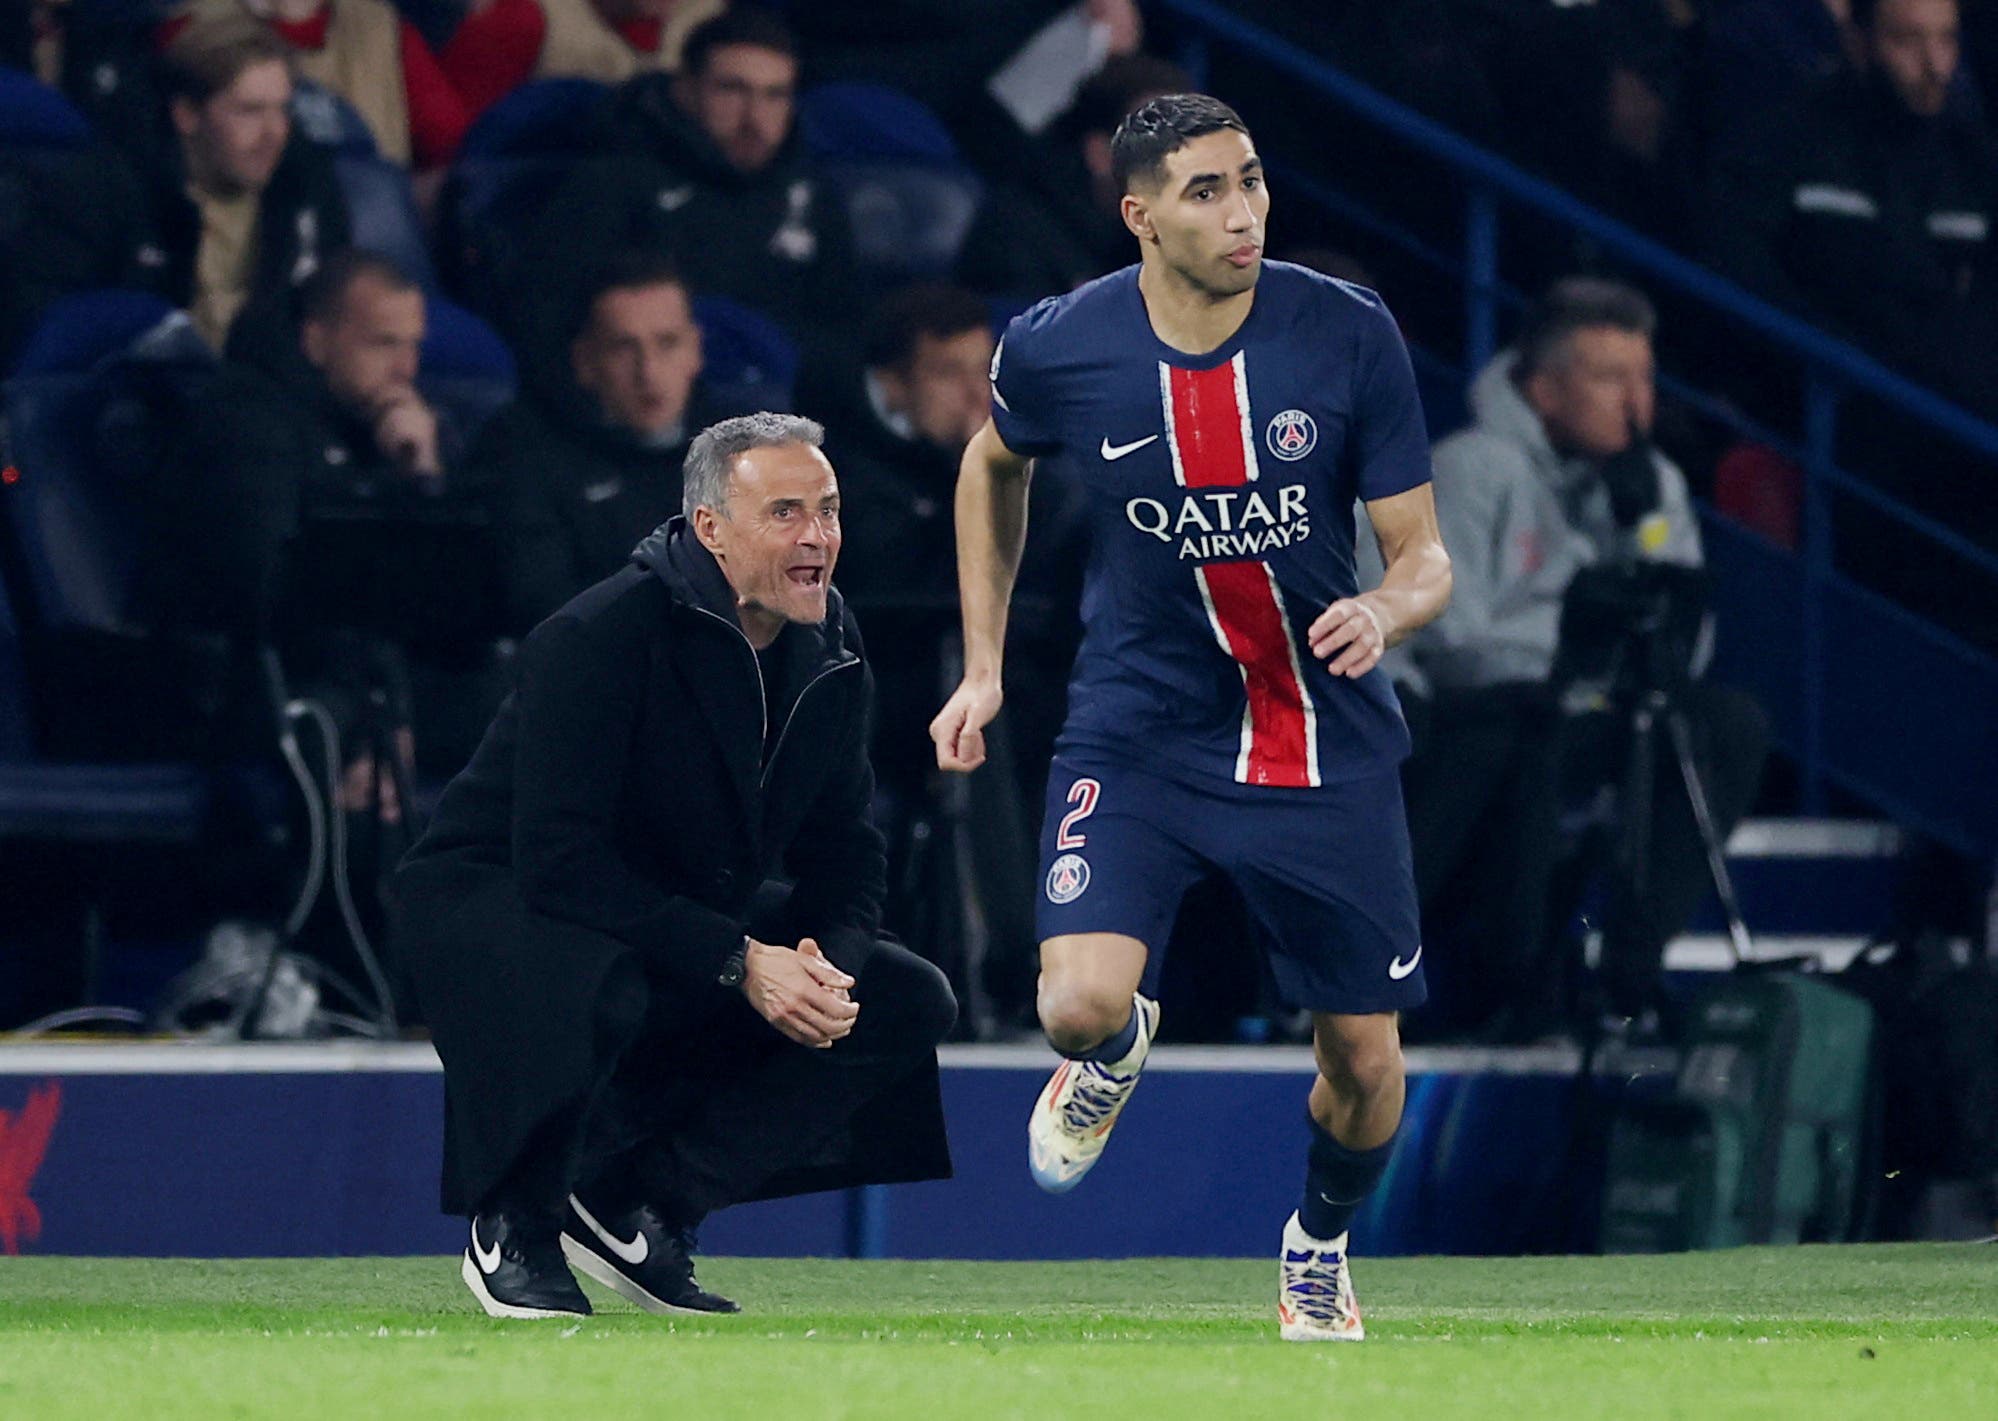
point(382, 216)
point(543, 118)
point(323, 117)
point(465, 366)
point(909, 197)
point(748, 361)
point(32, 115)
point(513, 157)
point(872, 121)
point(73, 551)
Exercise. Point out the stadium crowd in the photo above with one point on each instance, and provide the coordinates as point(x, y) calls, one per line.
point(669, 211)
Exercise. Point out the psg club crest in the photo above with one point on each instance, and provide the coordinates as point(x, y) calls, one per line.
point(1067, 877)
point(1292, 435)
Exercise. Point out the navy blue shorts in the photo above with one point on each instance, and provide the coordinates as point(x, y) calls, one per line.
point(1326, 874)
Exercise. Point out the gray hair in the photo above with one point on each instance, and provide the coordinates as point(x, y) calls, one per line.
point(711, 457)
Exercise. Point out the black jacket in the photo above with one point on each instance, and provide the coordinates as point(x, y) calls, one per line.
point(574, 496)
point(624, 788)
point(611, 832)
point(775, 239)
point(86, 220)
point(1874, 222)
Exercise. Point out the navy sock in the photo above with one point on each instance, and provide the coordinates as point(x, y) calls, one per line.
point(1113, 1049)
point(1337, 1180)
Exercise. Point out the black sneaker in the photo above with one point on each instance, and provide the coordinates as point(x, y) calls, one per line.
point(640, 1257)
point(515, 1269)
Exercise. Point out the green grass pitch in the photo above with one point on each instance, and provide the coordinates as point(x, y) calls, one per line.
point(1876, 1332)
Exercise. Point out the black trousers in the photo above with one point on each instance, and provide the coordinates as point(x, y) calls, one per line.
point(693, 1120)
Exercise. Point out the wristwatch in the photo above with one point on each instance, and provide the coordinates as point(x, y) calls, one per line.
point(732, 966)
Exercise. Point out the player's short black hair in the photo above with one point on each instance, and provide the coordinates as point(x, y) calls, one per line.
point(1153, 133)
point(1579, 303)
point(325, 291)
point(925, 309)
point(739, 24)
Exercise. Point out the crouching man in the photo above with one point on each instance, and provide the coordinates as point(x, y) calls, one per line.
point(634, 1031)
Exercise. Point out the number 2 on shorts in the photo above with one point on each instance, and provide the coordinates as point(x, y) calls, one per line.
point(1083, 795)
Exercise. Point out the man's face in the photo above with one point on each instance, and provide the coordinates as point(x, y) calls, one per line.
point(1596, 393)
point(367, 349)
point(1208, 214)
point(233, 142)
point(778, 538)
point(1915, 45)
point(639, 356)
point(942, 387)
point(744, 98)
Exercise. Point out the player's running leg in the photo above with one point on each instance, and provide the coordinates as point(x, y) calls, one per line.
point(1094, 1015)
point(1355, 1112)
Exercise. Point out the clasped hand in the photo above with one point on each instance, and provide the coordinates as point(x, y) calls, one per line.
point(799, 992)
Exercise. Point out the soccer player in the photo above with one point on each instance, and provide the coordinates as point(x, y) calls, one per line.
point(1223, 414)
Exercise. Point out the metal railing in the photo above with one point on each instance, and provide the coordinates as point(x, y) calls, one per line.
point(1831, 368)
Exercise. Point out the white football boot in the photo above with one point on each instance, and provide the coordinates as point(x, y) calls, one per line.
point(1072, 1118)
point(1315, 1301)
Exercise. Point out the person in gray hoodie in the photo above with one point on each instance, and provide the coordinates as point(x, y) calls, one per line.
point(1557, 477)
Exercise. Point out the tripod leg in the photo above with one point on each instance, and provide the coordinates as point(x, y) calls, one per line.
point(1681, 732)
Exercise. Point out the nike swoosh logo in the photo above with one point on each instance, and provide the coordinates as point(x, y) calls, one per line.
point(1114, 452)
point(633, 1253)
point(1398, 969)
point(488, 1262)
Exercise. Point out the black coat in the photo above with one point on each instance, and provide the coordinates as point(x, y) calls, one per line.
point(574, 495)
point(608, 838)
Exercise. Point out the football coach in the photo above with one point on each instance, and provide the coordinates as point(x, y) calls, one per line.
point(635, 1030)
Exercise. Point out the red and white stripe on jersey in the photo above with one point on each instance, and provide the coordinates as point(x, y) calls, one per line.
point(1212, 438)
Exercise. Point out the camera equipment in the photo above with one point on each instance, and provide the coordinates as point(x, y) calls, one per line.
point(1627, 643)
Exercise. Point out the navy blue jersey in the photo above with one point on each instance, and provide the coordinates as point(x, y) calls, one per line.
point(1221, 490)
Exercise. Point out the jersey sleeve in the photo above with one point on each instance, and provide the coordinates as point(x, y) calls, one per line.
point(1390, 441)
point(1022, 410)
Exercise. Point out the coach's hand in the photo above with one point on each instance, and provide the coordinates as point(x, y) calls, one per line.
point(959, 729)
point(1348, 637)
point(800, 993)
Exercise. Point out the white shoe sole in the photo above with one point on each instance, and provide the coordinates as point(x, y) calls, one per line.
point(1300, 1332)
point(589, 1263)
point(476, 1281)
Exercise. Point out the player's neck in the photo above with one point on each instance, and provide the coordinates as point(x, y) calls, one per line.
point(1186, 317)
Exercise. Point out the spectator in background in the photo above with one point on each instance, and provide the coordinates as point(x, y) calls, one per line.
point(504, 43)
point(587, 471)
point(263, 456)
point(711, 171)
point(1867, 205)
point(368, 54)
point(1056, 224)
point(1556, 483)
point(241, 215)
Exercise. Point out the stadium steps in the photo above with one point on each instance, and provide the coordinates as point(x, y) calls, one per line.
point(1818, 888)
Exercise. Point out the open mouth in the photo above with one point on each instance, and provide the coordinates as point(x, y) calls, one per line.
point(811, 576)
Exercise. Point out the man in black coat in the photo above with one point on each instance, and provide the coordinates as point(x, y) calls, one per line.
point(229, 224)
point(627, 1043)
point(709, 167)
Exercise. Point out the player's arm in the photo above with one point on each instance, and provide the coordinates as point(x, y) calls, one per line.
point(1351, 634)
point(991, 512)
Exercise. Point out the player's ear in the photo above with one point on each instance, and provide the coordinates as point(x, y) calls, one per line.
point(1138, 217)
